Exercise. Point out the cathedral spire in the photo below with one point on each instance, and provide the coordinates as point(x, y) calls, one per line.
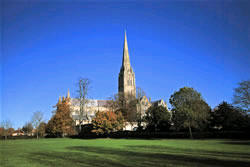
point(126, 81)
point(125, 60)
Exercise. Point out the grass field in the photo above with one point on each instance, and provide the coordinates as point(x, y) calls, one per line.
point(124, 152)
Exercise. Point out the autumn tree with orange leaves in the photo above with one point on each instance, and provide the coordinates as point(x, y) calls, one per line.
point(106, 122)
point(61, 124)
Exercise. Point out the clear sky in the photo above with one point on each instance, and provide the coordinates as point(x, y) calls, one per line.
point(47, 45)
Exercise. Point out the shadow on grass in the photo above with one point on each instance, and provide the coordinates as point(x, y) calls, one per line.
point(182, 157)
point(71, 159)
point(237, 142)
point(137, 155)
point(200, 152)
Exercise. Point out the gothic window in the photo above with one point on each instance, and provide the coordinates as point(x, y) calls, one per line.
point(129, 82)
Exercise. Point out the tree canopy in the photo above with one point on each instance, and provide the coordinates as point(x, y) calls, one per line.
point(242, 95)
point(61, 123)
point(27, 128)
point(189, 109)
point(158, 118)
point(106, 122)
point(227, 117)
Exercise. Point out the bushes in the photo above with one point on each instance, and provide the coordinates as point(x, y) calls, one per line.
point(153, 135)
point(18, 137)
point(180, 135)
point(169, 135)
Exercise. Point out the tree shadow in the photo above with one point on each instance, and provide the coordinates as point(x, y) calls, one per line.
point(73, 159)
point(200, 152)
point(237, 142)
point(134, 158)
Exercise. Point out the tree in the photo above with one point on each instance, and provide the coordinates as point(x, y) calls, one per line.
point(41, 129)
point(228, 117)
point(157, 118)
point(36, 120)
point(27, 128)
point(139, 115)
point(82, 96)
point(7, 128)
point(1, 131)
point(106, 122)
point(242, 95)
point(61, 124)
point(125, 104)
point(189, 109)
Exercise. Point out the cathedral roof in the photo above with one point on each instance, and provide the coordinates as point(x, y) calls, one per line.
point(91, 102)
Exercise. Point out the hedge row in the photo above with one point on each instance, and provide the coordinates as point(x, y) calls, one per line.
point(152, 135)
point(171, 135)
point(18, 137)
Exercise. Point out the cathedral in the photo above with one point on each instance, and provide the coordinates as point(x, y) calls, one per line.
point(126, 86)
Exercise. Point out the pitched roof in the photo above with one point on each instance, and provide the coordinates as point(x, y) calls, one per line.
point(91, 102)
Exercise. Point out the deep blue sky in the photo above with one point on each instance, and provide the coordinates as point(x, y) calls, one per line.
point(47, 46)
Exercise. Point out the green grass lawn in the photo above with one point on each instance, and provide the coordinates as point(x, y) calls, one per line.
point(124, 152)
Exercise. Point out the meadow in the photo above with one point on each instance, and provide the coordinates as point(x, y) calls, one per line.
point(124, 152)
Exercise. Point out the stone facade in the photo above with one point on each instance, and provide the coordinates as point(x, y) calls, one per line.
point(93, 106)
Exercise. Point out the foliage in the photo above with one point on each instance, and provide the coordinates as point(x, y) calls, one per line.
point(42, 128)
point(36, 120)
point(242, 95)
point(6, 127)
point(227, 117)
point(27, 128)
point(1, 131)
point(189, 109)
point(127, 105)
point(106, 122)
point(158, 118)
point(86, 130)
point(61, 123)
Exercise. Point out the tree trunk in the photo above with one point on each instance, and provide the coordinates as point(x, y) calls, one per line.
point(80, 126)
point(190, 132)
point(5, 137)
point(37, 134)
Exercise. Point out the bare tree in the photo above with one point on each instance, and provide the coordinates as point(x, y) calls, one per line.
point(27, 128)
point(37, 118)
point(82, 96)
point(242, 95)
point(139, 95)
point(113, 103)
point(125, 104)
point(6, 125)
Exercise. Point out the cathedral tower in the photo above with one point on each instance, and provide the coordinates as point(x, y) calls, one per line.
point(126, 75)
